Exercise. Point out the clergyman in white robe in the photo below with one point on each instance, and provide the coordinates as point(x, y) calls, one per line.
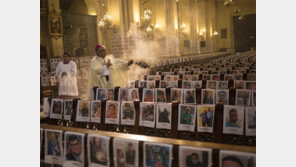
point(67, 83)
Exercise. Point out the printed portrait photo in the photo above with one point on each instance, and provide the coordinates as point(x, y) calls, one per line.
point(236, 159)
point(123, 94)
point(53, 147)
point(98, 150)
point(238, 77)
point(196, 84)
point(125, 152)
point(177, 95)
point(222, 85)
point(157, 154)
point(143, 84)
point(163, 84)
point(56, 108)
point(195, 77)
point(254, 98)
point(148, 95)
point(168, 78)
point(222, 96)
point(110, 94)
point(133, 94)
point(74, 149)
point(216, 77)
point(147, 114)
point(251, 85)
point(95, 111)
point(205, 118)
point(228, 77)
point(112, 112)
point(206, 77)
point(239, 84)
point(251, 77)
point(189, 96)
point(128, 113)
point(131, 84)
point(101, 94)
point(68, 109)
point(160, 95)
point(250, 121)
point(173, 84)
point(175, 78)
point(151, 84)
point(186, 84)
point(243, 97)
point(164, 115)
point(187, 78)
point(187, 114)
point(233, 120)
point(211, 84)
point(83, 111)
point(207, 96)
point(195, 156)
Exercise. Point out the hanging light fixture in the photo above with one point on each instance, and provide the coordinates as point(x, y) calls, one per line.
point(228, 3)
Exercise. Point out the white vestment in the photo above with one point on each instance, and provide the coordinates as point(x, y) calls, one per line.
point(67, 83)
point(117, 73)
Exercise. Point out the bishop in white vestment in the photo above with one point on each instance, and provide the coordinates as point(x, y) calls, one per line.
point(107, 72)
point(66, 76)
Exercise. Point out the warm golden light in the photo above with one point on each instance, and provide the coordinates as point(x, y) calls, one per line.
point(183, 27)
point(215, 33)
point(203, 32)
point(157, 26)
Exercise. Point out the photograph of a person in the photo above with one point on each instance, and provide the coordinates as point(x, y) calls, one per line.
point(238, 77)
point(98, 150)
point(68, 109)
point(123, 94)
point(128, 113)
point(186, 84)
point(216, 77)
point(74, 149)
point(254, 98)
point(222, 85)
point(156, 154)
point(101, 94)
point(148, 95)
point(172, 84)
point(53, 147)
point(177, 94)
point(112, 112)
point(110, 94)
point(147, 114)
point(195, 77)
point(233, 120)
point(206, 77)
point(168, 78)
point(236, 159)
point(151, 84)
point(174, 77)
point(143, 84)
point(251, 85)
point(251, 77)
point(222, 96)
point(164, 115)
point(95, 111)
point(211, 84)
point(83, 111)
point(56, 108)
point(205, 118)
point(187, 77)
point(207, 96)
point(163, 84)
point(133, 94)
point(228, 77)
point(196, 84)
point(195, 156)
point(160, 95)
point(243, 97)
point(239, 84)
point(131, 84)
point(187, 115)
point(250, 115)
point(129, 148)
point(189, 96)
